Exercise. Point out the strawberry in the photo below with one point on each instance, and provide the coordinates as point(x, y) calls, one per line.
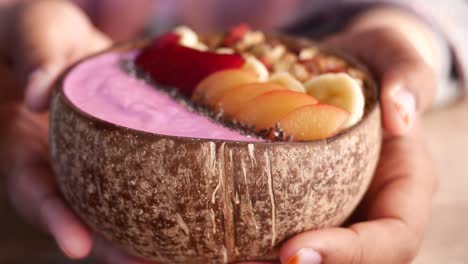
point(236, 34)
point(172, 64)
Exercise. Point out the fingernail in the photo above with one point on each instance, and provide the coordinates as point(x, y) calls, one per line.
point(39, 81)
point(405, 105)
point(39, 85)
point(306, 256)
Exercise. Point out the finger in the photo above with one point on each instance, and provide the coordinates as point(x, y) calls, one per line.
point(108, 253)
point(408, 86)
point(397, 211)
point(70, 234)
point(47, 45)
point(33, 192)
point(407, 83)
point(364, 244)
point(41, 82)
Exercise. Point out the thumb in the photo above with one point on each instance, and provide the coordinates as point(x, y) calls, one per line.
point(49, 36)
point(407, 82)
point(41, 81)
point(408, 86)
point(379, 241)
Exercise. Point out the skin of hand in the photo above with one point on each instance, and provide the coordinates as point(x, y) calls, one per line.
point(48, 36)
point(400, 51)
point(45, 45)
point(389, 224)
point(393, 214)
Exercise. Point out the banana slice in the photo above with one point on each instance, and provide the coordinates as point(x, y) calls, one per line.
point(341, 90)
point(288, 81)
point(189, 38)
point(253, 64)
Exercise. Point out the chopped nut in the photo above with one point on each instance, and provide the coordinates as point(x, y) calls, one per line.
point(260, 50)
point(276, 53)
point(281, 66)
point(224, 50)
point(255, 65)
point(331, 64)
point(312, 66)
point(300, 72)
point(289, 58)
point(308, 53)
point(249, 40)
point(285, 63)
point(253, 38)
point(355, 73)
point(188, 37)
point(200, 46)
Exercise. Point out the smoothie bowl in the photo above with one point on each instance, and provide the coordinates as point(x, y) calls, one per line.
point(190, 149)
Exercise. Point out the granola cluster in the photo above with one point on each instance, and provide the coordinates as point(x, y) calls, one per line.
point(302, 65)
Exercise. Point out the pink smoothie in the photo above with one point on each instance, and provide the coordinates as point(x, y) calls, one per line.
point(102, 89)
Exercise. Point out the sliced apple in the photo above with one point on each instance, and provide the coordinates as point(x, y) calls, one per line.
point(234, 99)
point(313, 122)
point(267, 109)
point(213, 87)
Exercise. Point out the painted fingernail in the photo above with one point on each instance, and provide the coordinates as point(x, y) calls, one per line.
point(306, 256)
point(405, 105)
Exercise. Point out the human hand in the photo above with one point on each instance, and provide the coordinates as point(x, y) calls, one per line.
point(46, 37)
point(399, 50)
point(389, 224)
point(36, 99)
point(49, 35)
point(33, 191)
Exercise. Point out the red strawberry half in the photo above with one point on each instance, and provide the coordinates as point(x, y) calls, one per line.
point(172, 64)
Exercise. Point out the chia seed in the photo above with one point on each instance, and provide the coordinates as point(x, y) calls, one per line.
point(272, 134)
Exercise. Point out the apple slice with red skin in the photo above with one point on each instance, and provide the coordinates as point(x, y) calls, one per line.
point(265, 110)
point(169, 63)
point(234, 99)
point(213, 87)
point(313, 122)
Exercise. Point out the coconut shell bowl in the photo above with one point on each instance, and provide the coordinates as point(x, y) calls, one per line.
point(181, 199)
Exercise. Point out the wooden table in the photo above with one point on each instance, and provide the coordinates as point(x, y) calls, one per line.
point(445, 242)
point(447, 238)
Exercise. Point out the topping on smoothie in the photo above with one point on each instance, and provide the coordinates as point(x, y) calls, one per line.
point(259, 84)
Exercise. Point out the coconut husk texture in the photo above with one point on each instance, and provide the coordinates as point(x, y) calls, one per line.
point(186, 200)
